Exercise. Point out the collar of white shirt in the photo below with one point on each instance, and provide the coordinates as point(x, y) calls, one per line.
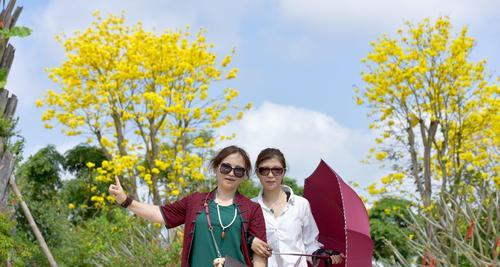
point(285, 188)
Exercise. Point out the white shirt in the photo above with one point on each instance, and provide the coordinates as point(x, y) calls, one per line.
point(294, 231)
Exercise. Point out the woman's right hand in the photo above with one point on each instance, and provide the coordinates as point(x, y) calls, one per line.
point(261, 248)
point(116, 191)
point(149, 212)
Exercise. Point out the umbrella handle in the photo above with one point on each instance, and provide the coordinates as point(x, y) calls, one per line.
point(301, 254)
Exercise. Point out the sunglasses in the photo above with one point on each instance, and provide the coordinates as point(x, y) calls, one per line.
point(225, 168)
point(264, 171)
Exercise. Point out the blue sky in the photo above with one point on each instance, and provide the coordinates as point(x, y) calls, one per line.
point(298, 61)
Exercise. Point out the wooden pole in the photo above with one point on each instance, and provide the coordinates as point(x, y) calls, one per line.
point(34, 227)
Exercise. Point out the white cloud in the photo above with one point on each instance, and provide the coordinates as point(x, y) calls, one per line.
point(341, 15)
point(305, 137)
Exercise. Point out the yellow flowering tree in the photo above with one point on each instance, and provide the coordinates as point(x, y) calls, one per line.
point(144, 99)
point(435, 109)
point(437, 115)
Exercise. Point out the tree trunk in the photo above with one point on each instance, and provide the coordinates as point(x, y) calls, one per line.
point(415, 168)
point(131, 185)
point(151, 158)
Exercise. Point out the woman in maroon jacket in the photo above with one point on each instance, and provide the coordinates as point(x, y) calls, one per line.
point(217, 223)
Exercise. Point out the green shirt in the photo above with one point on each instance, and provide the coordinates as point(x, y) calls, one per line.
point(203, 250)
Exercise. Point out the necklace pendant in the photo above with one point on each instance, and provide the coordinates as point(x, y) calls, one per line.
point(219, 262)
point(223, 234)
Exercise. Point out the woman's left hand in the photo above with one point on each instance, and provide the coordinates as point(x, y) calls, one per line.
point(261, 248)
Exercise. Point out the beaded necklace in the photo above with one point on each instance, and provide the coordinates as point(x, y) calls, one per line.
point(220, 220)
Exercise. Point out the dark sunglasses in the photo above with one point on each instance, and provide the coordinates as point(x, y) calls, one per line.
point(264, 171)
point(237, 171)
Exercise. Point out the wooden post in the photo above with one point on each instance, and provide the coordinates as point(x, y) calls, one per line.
point(8, 104)
point(34, 227)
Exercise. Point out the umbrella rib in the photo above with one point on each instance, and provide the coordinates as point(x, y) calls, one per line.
point(345, 220)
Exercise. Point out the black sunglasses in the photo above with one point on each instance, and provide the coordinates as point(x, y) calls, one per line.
point(264, 171)
point(237, 171)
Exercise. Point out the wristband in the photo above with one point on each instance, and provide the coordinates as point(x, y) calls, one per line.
point(127, 202)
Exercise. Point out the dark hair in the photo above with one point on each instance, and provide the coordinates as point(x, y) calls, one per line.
point(270, 153)
point(223, 153)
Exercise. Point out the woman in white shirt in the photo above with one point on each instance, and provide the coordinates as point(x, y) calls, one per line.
point(290, 225)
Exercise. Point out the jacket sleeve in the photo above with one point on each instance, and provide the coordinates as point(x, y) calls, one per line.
point(174, 214)
point(257, 224)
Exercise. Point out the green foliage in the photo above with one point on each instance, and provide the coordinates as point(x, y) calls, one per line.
point(7, 129)
point(77, 192)
point(249, 188)
point(83, 235)
point(388, 218)
point(39, 175)
point(111, 238)
point(16, 247)
point(121, 240)
point(51, 218)
point(7, 126)
point(17, 31)
point(3, 77)
point(292, 183)
point(77, 157)
point(39, 181)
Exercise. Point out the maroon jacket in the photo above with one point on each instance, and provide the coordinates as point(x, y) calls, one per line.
point(186, 211)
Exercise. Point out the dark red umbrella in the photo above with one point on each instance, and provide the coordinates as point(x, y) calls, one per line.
point(341, 216)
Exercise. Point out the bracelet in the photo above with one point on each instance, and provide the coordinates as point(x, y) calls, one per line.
point(127, 202)
point(250, 240)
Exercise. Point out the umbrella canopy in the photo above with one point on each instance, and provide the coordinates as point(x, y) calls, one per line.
point(340, 215)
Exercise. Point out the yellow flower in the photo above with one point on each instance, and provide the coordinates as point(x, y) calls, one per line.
point(248, 106)
point(226, 61)
point(106, 142)
point(149, 97)
point(381, 155)
point(38, 103)
point(97, 199)
point(232, 74)
point(398, 176)
point(105, 164)
point(359, 101)
point(71, 206)
point(386, 180)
